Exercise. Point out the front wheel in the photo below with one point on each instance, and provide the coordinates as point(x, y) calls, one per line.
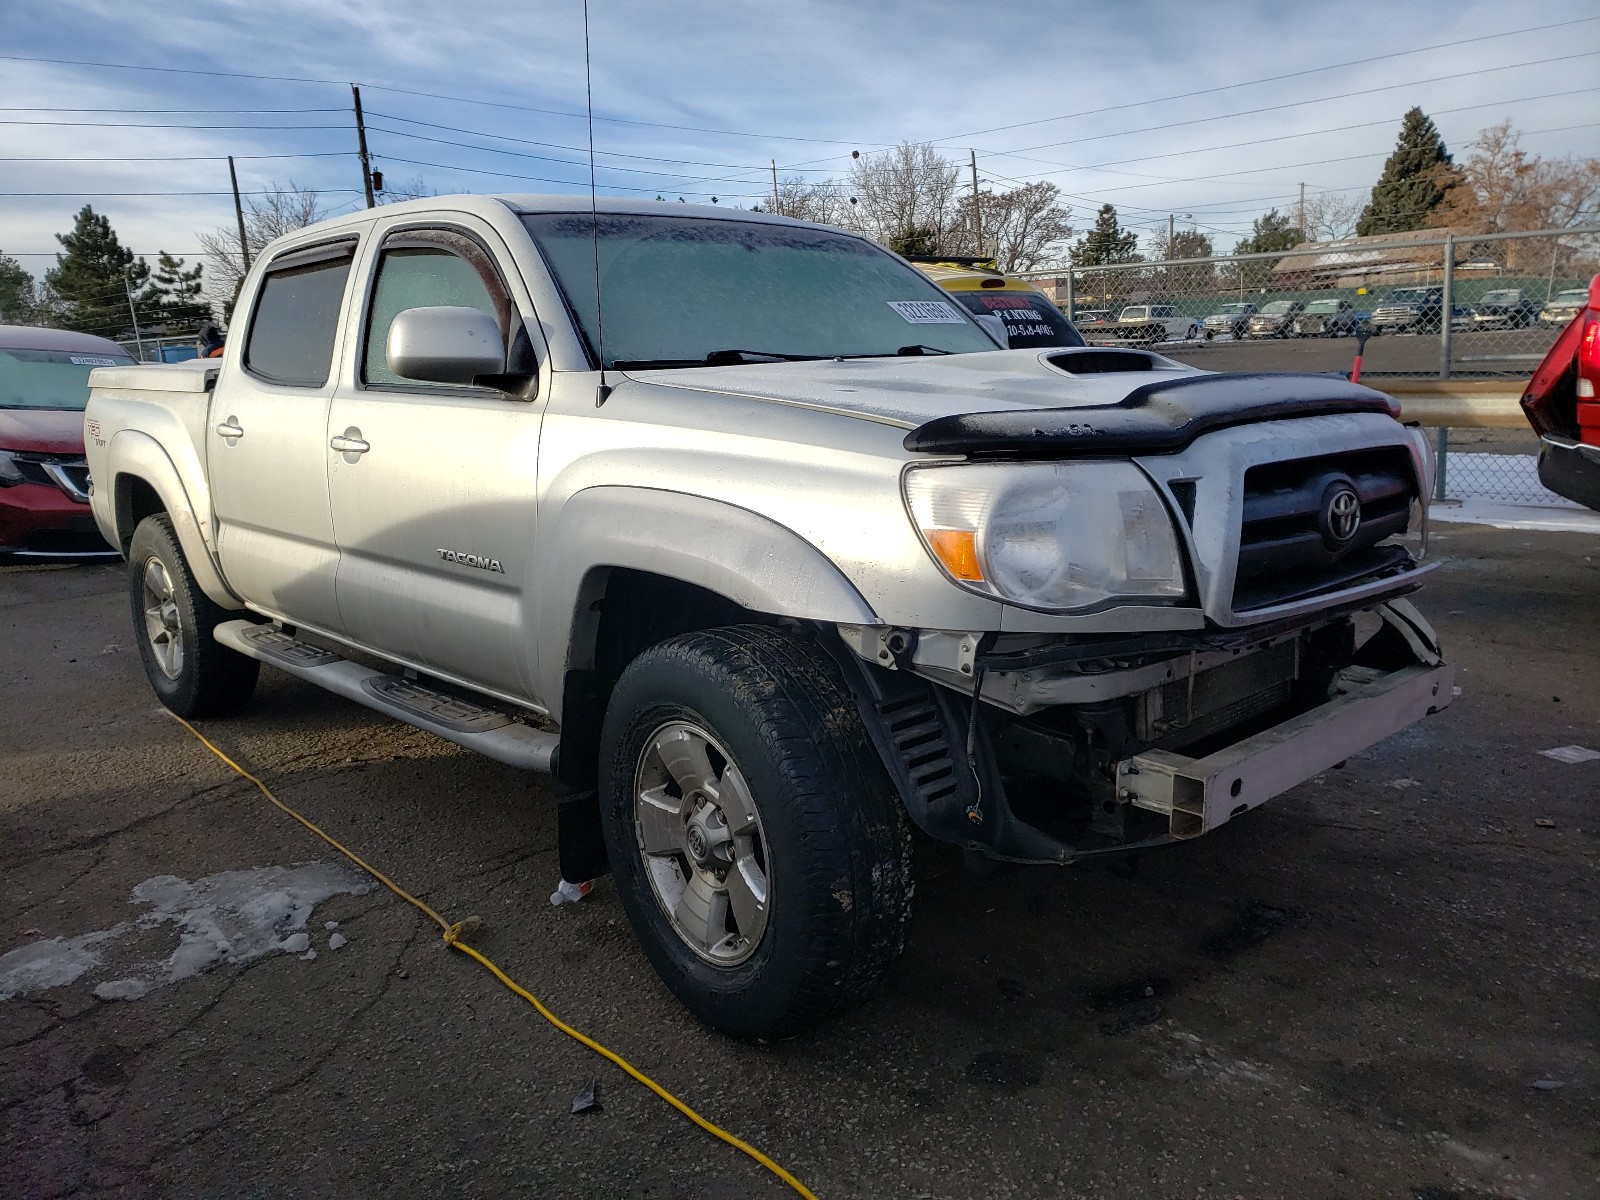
point(758, 847)
point(192, 674)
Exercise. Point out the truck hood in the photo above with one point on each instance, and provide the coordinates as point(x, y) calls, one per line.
point(911, 391)
point(1023, 402)
point(42, 430)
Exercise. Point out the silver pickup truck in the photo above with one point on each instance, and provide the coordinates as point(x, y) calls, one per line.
point(758, 544)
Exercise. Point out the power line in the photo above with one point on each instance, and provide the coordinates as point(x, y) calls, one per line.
point(1487, 37)
point(176, 157)
point(1443, 112)
point(169, 111)
point(1538, 62)
point(378, 87)
point(101, 195)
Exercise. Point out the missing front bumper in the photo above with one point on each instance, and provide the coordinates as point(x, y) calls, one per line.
point(1200, 794)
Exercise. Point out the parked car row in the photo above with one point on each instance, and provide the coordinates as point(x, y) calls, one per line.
point(1404, 310)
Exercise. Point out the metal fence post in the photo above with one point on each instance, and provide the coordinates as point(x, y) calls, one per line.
point(1443, 462)
point(1447, 317)
point(1070, 294)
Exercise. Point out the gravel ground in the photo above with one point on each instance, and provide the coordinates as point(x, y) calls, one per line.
point(1381, 985)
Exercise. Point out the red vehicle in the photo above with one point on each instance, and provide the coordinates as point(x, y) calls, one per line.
point(44, 482)
point(1562, 406)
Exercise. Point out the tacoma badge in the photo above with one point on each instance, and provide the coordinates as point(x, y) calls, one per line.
point(472, 560)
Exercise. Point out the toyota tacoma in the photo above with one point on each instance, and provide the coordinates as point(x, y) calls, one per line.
point(753, 538)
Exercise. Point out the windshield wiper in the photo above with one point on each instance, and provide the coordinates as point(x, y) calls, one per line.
point(717, 358)
point(913, 351)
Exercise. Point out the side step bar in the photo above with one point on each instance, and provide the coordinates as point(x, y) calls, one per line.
point(492, 734)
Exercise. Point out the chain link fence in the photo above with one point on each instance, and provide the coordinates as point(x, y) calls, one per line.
point(1434, 304)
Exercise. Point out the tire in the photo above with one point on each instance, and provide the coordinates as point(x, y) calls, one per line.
point(192, 674)
point(827, 845)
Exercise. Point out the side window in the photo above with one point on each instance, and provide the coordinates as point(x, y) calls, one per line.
point(296, 317)
point(412, 275)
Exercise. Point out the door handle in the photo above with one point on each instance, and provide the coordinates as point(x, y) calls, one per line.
point(349, 442)
point(231, 430)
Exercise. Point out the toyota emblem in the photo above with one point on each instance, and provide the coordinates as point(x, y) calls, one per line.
point(1341, 514)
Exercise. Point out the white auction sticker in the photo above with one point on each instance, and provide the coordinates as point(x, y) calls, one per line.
point(86, 361)
point(927, 312)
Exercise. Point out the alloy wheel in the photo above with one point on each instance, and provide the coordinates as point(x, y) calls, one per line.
point(162, 623)
point(701, 840)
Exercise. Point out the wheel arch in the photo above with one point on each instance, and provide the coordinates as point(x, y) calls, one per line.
point(630, 567)
point(144, 481)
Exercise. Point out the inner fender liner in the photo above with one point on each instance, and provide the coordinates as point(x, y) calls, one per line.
point(920, 732)
point(1154, 418)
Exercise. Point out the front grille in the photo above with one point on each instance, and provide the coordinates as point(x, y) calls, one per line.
point(43, 468)
point(1287, 549)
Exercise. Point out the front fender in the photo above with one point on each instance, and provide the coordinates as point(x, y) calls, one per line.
point(138, 456)
point(753, 561)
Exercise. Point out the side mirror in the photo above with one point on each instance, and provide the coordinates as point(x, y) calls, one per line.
point(445, 345)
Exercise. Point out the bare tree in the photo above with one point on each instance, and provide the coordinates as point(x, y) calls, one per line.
point(278, 210)
point(1502, 188)
point(907, 195)
point(1330, 216)
point(807, 201)
point(1025, 227)
point(417, 188)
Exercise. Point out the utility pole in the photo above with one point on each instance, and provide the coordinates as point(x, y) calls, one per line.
point(1172, 232)
point(1302, 218)
point(774, 163)
point(238, 212)
point(138, 339)
point(977, 208)
point(361, 143)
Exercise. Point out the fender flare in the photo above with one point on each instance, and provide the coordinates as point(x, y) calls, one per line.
point(135, 455)
point(750, 559)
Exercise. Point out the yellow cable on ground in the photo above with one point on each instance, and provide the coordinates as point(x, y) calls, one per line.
point(454, 932)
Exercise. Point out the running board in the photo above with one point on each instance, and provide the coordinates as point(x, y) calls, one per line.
point(492, 734)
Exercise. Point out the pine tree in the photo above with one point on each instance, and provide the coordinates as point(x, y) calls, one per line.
point(179, 294)
point(1413, 182)
point(18, 293)
point(1270, 231)
point(95, 277)
point(1107, 242)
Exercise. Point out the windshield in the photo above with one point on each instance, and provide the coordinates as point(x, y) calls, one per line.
point(50, 378)
point(1581, 296)
point(1323, 306)
point(1030, 319)
point(1235, 310)
point(1501, 297)
point(1408, 296)
point(1277, 308)
point(677, 289)
point(1135, 314)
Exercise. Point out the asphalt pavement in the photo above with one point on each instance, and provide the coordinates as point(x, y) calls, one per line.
point(1383, 984)
point(1508, 353)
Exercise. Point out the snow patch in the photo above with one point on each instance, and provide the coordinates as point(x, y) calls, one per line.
point(52, 963)
point(231, 917)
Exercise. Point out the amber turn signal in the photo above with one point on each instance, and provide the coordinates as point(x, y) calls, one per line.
point(957, 551)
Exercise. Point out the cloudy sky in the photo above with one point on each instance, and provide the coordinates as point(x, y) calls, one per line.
point(1217, 110)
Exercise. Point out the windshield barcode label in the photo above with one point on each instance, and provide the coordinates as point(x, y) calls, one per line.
point(927, 312)
point(86, 361)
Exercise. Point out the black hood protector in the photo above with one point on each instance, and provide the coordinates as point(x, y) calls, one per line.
point(1155, 418)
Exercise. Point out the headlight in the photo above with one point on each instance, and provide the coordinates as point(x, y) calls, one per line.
point(1048, 535)
point(10, 475)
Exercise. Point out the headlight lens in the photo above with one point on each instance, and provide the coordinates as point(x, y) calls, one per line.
point(1048, 535)
point(10, 475)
